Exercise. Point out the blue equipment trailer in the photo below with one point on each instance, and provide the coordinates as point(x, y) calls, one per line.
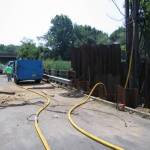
point(26, 69)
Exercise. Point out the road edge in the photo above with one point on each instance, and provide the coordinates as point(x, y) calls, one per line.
point(130, 110)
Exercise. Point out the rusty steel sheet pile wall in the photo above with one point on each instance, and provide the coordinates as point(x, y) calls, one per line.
point(98, 63)
point(146, 84)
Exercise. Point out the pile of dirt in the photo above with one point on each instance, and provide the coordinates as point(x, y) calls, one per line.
point(18, 94)
point(147, 110)
point(73, 94)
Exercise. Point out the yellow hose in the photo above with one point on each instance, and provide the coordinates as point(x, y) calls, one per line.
point(130, 59)
point(91, 136)
point(129, 69)
point(39, 132)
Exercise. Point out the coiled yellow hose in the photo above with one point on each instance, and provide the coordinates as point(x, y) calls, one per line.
point(38, 130)
point(86, 133)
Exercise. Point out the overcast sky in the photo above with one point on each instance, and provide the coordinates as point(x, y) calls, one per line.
point(31, 18)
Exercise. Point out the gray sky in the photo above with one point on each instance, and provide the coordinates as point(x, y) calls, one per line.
point(31, 18)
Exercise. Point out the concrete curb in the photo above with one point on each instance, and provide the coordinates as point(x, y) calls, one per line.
point(130, 110)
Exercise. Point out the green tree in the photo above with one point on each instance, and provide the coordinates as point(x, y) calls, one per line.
point(102, 38)
point(88, 35)
point(145, 24)
point(2, 48)
point(118, 36)
point(8, 48)
point(28, 49)
point(60, 37)
point(44, 52)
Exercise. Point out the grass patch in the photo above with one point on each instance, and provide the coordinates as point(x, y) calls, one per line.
point(50, 64)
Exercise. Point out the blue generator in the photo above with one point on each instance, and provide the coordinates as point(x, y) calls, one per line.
point(26, 69)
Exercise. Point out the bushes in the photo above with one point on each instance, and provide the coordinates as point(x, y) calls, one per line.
point(50, 64)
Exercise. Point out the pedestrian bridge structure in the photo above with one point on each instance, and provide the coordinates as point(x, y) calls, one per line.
point(5, 57)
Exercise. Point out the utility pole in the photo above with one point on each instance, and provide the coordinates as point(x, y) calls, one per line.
point(128, 33)
point(127, 25)
point(135, 43)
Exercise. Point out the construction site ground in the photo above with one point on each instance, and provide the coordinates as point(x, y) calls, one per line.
point(17, 132)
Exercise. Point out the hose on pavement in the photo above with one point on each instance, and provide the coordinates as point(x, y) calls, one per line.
point(86, 133)
point(36, 120)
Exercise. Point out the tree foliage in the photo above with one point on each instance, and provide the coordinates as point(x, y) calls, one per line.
point(28, 49)
point(118, 36)
point(63, 35)
point(8, 48)
point(88, 35)
point(60, 36)
point(145, 24)
point(44, 52)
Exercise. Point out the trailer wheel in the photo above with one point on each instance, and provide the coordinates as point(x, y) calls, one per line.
point(38, 81)
point(16, 80)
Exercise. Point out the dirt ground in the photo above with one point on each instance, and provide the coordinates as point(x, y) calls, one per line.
point(22, 94)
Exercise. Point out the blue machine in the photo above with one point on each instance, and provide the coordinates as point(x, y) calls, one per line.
point(26, 69)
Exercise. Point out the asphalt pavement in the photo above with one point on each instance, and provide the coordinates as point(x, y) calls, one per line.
point(17, 130)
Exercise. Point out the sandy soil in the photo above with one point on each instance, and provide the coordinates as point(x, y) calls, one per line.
point(21, 94)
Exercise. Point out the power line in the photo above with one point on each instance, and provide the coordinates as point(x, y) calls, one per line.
point(114, 2)
point(114, 19)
